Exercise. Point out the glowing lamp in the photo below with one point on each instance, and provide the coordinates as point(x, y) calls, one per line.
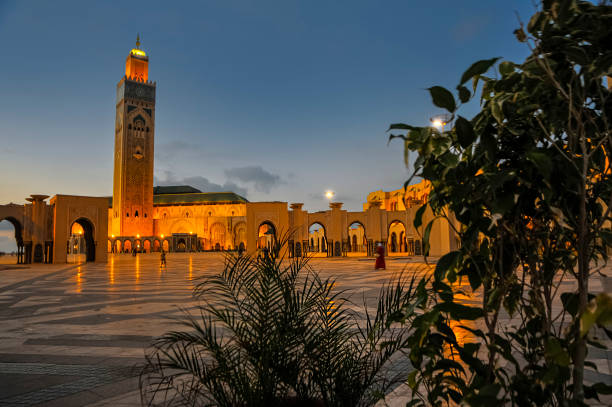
point(329, 194)
point(437, 123)
point(138, 236)
point(162, 236)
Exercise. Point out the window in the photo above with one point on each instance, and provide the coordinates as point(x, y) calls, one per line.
point(136, 214)
point(127, 215)
point(209, 213)
point(145, 215)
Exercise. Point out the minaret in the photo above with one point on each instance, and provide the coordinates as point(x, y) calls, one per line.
point(132, 212)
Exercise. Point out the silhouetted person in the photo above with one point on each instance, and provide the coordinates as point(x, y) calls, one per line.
point(380, 258)
point(163, 259)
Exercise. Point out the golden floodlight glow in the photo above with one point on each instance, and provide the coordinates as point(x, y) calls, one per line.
point(329, 194)
point(138, 236)
point(437, 123)
point(138, 52)
point(162, 236)
point(113, 236)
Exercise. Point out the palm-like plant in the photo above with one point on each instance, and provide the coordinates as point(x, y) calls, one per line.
point(272, 332)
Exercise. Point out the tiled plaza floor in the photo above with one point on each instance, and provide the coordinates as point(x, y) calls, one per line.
point(75, 335)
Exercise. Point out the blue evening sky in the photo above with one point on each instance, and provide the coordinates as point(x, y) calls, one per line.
point(279, 100)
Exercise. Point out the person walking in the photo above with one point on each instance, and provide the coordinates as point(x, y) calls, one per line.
point(380, 258)
point(163, 259)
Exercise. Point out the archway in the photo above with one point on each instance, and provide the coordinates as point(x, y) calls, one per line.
point(266, 236)
point(117, 246)
point(81, 245)
point(357, 241)
point(12, 250)
point(217, 236)
point(156, 245)
point(110, 247)
point(138, 246)
point(166, 245)
point(396, 242)
point(146, 246)
point(181, 246)
point(318, 238)
point(127, 246)
point(240, 235)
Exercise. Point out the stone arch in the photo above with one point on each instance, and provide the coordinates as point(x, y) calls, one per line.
point(357, 238)
point(127, 246)
point(146, 246)
point(266, 235)
point(317, 237)
point(18, 236)
point(118, 246)
point(88, 237)
point(156, 245)
point(396, 229)
point(181, 226)
point(166, 245)
point(240, 235)
point(217, 236)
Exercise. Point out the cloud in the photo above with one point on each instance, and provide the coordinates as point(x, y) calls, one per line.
point(262, 180)
point(201, 183)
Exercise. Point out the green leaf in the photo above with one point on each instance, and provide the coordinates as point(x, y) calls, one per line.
point(555, 352)
point(542, 162)
point(496, 110)
point(506, 68)
point(426, 234)
point(445, 263)
point(598, 312)
point(460, 311)
point(477, 68)
point(441, 97)
point(418, 217)
point(464, 94)
point(465, 132)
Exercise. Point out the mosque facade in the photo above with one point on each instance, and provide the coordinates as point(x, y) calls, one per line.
point(141, 217)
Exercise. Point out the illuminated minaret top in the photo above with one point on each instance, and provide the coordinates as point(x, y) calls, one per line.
point(137, 64)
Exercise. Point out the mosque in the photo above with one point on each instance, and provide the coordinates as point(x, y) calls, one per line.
point(142, 217)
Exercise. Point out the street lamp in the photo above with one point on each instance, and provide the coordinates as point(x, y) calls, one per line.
point(440, 121)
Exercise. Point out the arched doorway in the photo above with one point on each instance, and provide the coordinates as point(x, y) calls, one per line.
point(81, 245)
point(117, 246)
point(110, 247)
point(266, 236)
point(318, 239)
point(127, 246)
point(146, 245)
point(357, 242)
point(217, 236)
point(12, 248)
point(156, 245)
point(181, 246)
point(396, 242)
point(166, 245)
point(138, 246)
point(240, 236)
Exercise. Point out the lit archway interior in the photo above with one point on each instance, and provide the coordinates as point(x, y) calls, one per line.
point(317, 238)
point(357, 242)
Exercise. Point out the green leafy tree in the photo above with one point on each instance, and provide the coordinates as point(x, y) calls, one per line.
point(527, 182)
